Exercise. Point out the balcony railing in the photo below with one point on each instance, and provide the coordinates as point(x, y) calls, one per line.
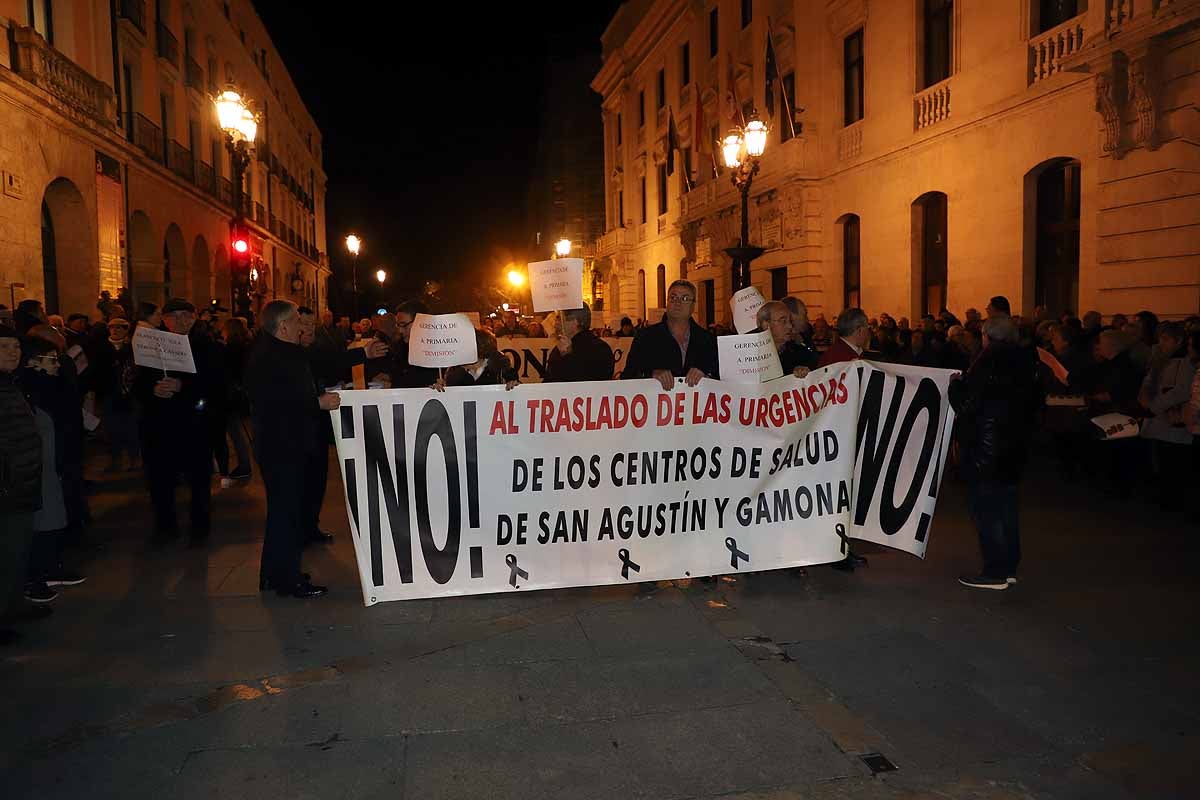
point(179, 160)
point(931, 106)
point(168, 45)
point(274, 226)
point(850, 142)
point(135, 12)
point(193, 75)
point(147, 136)
point(1047, 50)
point(205, 178)
point(67, 82)
point(260, 214)
point(225, 191)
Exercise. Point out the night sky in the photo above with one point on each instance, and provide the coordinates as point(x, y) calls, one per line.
point(429, 125)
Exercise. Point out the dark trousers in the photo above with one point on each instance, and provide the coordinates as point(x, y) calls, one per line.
point(993, 508)
point(287, 519)
point(16, 538)
point(168, 453)
point(46, 554)
point(316, 475)
point(235, 426)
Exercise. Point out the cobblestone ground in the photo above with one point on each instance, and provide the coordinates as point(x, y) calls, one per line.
point(168, 675)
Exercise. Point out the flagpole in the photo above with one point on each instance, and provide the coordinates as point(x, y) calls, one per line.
point(787, 106)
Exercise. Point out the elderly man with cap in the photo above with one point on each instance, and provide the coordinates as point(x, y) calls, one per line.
point(174, 429)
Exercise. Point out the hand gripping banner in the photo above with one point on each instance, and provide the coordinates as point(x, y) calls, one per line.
point(476, 490)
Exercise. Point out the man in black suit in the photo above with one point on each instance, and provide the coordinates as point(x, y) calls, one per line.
point(580, 355)
point(287, 410)
point(676, 347)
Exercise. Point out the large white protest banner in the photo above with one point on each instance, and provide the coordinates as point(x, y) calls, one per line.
point(904, 429)
point(442, 340)
point(530, 355)
point(162, 350)
point(556, 285)
point(618, 482)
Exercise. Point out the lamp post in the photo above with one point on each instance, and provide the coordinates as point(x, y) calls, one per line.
point(240, 125)
point(741, 149)
point(353, 244)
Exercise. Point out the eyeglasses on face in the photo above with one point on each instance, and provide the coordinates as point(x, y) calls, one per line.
point(680, 298)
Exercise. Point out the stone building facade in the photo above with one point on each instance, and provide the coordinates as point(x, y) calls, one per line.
point(115, 171)
point(942, 151)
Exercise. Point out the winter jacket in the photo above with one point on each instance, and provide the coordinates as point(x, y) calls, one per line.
point(1167, 386)
point(52, 516)
point(283, 398)
point(20, 451)
point(996, 403)
point(656, 348)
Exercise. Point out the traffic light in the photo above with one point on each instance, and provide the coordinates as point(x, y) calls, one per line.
point(239, 259)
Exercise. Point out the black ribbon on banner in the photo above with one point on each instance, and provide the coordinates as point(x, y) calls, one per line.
point(734, 554)
point(514, 570)
point(627, 564)
point(840, 529)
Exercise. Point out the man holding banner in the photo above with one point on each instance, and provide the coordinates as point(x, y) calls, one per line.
point(793, 359)
point(676, 347)
point(580, 354)
point(286, 417)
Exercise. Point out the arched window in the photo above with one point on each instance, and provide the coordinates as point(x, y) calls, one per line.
point(929, 220)
point(662, 286)
point(1052, 227)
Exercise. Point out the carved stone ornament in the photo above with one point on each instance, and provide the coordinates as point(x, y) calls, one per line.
point(1141, 102)
point(793, 215)
point(1106, 106)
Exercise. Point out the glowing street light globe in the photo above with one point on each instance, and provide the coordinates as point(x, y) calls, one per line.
point(563, 247)
point(755, 136)
point(235, 117)
point(516, 278)
point(353, 243)
point(381, 276)
point(732, 149)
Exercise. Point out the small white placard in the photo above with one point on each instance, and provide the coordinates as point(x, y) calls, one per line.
point(442, 340)
point(748, 358)
point(556, 284)
point(745, 305)
point(162, 350)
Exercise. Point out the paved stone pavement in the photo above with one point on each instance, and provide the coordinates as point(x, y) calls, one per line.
point(168, 675)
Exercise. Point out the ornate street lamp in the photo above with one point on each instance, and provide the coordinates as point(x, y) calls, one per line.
point(741, 149)
point(562, 248)
point(240, 125)
point(353, 245)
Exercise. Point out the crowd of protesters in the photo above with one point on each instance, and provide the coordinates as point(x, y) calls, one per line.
point(258, 394)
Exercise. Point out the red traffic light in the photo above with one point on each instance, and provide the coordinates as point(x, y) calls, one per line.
point(241, 245)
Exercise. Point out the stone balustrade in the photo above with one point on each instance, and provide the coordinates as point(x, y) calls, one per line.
point(1047, 50)
point(850, 142)
point(931, 106)
point(77, 91)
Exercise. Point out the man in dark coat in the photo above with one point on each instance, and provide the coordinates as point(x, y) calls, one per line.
point(676, 347)
point(580, 355)
point(853, 337)
point(20, 480)
point(404, 374)
point(996, 403)
point(174, 429)
point(286, 414)
point(795, 357)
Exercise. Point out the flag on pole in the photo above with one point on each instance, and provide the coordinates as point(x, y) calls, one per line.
point(772, 75)
point(733, 109)
point(672, 146)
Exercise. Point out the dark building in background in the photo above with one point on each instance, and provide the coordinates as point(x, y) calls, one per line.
point(566, 194)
